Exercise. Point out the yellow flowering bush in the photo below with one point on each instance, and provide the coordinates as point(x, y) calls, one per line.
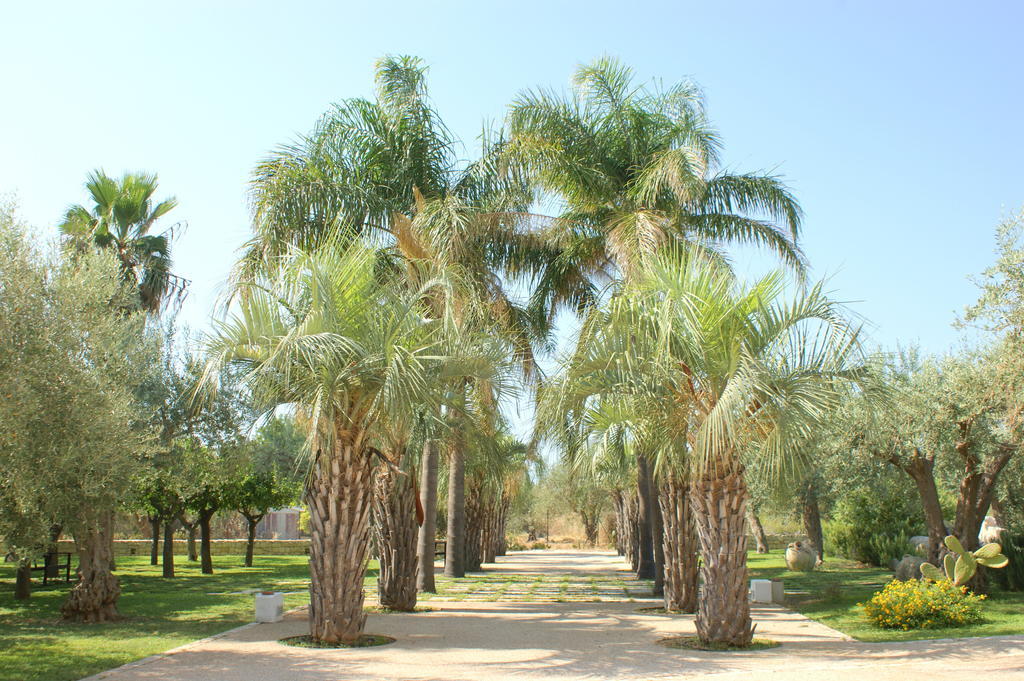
point(923, 604)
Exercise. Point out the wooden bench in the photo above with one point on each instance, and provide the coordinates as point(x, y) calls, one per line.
point(51, 564)
point(440, 549)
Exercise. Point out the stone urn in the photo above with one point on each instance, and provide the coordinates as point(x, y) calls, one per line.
point(800, 557)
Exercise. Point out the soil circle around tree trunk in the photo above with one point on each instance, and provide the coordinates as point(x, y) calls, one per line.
point(694, 643)
point(365, 641)
point(660, 610)
point(382, 610)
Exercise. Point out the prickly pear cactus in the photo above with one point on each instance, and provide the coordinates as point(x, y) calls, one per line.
point(959, 570)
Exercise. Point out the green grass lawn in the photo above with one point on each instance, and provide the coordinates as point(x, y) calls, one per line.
point(159, 614)
point(831, 593)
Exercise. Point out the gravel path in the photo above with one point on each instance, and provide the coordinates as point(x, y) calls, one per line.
point(540, 638)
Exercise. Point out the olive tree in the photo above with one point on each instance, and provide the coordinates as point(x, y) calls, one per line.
point(70, 437)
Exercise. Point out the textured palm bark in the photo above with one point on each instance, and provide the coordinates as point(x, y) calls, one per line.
point(428, 530)
point(488, 540)
point(657, 535)
point(620, 522)
point(680, 546)
point(474, 529)
point(455, 548)
point(632, 523)
point(394, 514)
point(339, 498)
point(501, 543)
point(94, 597)
point(760, 536)
point(719, 504)
point(646, 567)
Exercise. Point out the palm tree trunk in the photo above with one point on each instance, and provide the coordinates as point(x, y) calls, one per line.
point(339, 498)
point(154, 547)
point(657, 532)
point(759, 534)
point(501, 548)
point(621, 524)
point(719, 505)
point(455, 549)
point(488, 540)
point(205, 549)
point(394, 511)
point(94, 597)
point(680, 546)
point(474, 530)
point(646, 568)
point(428, 530)
point(632, 531)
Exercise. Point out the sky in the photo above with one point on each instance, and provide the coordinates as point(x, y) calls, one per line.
point(896, 124)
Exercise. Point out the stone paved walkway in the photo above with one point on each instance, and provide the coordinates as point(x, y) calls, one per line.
point(546, 576)
point(530, 640)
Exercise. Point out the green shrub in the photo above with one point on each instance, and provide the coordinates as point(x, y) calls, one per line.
point(872, 528)
point(539, 546)
point(923, 604)
point(1011, 577)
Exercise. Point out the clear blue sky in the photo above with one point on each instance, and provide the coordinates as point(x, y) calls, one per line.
point(897, 124)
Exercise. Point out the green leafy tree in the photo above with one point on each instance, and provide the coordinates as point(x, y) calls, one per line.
point(581, 490)
point(278, 447)
point(70, 432)
point(200, 442)
point(208, 475)
point(255, 495)
point(949, 423)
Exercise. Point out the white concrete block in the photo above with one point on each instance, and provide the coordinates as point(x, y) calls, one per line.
point(269, 607)
point(761, 590)
point(778, 592)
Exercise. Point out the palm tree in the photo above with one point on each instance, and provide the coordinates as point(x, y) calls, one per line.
point(635, 168)
point(487, 366)
point(395, 514)
point(389, 169)
point(122, 219)
point(498, 461)
point(355, 354)
point(728, 376)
